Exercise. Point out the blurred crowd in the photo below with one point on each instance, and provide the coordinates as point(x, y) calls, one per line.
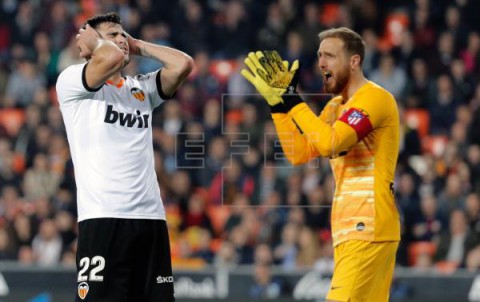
point(230, 196)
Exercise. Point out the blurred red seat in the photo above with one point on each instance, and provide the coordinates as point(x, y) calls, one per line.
point(417, 248)
point(446, 267)
point(12, 119)
point(418, 119)
point(434, 144)
point(222, 69)
point(218, 215)
point(395, 25)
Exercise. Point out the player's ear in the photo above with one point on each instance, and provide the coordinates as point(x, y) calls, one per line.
point(355, 62)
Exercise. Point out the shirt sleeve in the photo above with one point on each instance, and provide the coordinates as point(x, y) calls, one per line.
point(150, 84)
point(369, 112)
point(72, 86)
point(297, 148)
point(328, 140)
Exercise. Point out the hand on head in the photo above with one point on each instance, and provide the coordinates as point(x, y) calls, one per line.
point(135, 46)
point(87, 39)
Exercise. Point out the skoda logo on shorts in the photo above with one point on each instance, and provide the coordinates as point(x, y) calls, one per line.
point(360, 226)
point(83, 290)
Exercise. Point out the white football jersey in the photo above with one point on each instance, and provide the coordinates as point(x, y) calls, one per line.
point(110, 136)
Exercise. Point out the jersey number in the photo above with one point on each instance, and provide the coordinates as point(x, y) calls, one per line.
point(98, 264)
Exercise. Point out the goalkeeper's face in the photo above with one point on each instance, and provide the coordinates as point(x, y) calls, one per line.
point(333, 63)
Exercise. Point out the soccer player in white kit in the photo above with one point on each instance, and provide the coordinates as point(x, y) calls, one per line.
point(123, 246)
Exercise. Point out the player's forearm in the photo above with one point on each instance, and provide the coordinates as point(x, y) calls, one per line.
point(327, 140)
point(177, 64)
point(296, 147)
point(108, 57)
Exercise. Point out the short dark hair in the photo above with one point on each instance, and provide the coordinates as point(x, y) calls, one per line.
point(111, 17)
point(353, 42)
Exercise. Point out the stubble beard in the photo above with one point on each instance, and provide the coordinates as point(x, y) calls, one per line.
point(340, 82)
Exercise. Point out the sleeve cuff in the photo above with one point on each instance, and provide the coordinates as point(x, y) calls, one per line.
point(84, 81)
point(278, 108)
point(159, 88)
point(291, 100)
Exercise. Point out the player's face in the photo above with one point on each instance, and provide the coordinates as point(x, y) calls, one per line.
point(114, 32)
point(334, 64)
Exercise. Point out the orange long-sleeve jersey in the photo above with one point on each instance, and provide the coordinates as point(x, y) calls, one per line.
point(361, 138)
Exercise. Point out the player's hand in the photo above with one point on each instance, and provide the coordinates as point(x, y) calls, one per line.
point(283, 75)
point(135, 46)
point(259, 77)
point(279, 71)
point(87, 40)
point(269, 74)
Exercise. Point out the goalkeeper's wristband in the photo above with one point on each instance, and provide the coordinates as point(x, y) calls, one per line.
point(289, 101)
point(291, 98)
point(278, 108)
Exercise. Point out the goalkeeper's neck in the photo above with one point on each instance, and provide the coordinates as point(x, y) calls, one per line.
point(356, 80)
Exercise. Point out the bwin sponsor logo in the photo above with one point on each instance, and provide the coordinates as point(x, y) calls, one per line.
point(126, 119)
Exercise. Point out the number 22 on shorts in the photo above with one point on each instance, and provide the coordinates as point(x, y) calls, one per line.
point(98, 265)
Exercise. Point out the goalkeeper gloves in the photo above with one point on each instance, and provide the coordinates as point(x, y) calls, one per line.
point(273, 78)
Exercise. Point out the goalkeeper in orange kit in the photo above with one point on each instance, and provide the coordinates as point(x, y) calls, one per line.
point(359, 131)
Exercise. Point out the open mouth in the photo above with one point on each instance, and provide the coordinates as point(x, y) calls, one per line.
point(327, 75)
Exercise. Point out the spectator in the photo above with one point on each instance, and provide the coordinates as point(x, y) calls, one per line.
point(309, 28)
point(452, 196)
point(444, 54)
point(7, 251)
point(429, 224)
point(372, 55)
point(241, 242)
point(270, 36)
point(473, 160)
point(234, 24)
point(389, 76)
point(442, 106)
point(285, 253)
point(226, 257)
point(40, 181)
point(265, 287)
point(229, 182)
point(58, 23)
point(308, 248)
point(317, 211)
point(23, 83)
point(68, 56)
point(457, 243)
point(47, 244)
point(194, 36)
point(213, 162)
point(23, 231)
point(263, 254)
point(472, 213)
point(473, 260)
point(470, 54)
point(463, 83)
point(195, 215)
point(204, 250)
point(420, 84)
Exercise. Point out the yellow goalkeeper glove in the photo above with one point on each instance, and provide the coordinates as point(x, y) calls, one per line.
point(270, 75)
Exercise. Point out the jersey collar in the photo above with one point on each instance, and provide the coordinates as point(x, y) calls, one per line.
point(119, 84)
